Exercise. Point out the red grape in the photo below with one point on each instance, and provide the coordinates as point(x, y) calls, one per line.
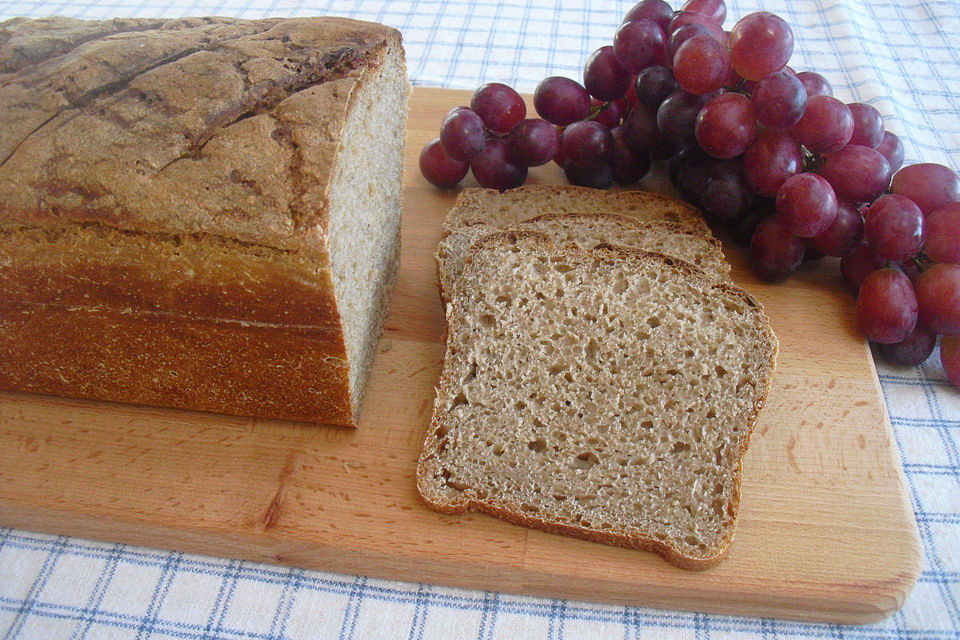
point(943, 234)
point(950, 359)
point(725, 194)
point(640, 44)
point(628, 167)
point(773, 157)
point(867, 125)
point(930, 185)
point(779, 100)
point(701, 65)
point(892, 149)
point(677, 117)
point(692, 180)
point(886, 306)
point(494, 167)
point(776, 253)
point(462, 134)
point(683, 34)
point(893, 227)
point(439, 168)
point(843, 235)
point(603, 76)
point(815, 84)
point(726, 125)
point(609, 114)
point(682, 19)
point(806, 204)
point(938, 294)
point(587, 144)
point(858, 264)
point(825, 126)
point(561, 100)
point(594, 177)
point(642, 133)
point(912, 350)
point(533, 142)
point(760, 44)
point(654, 84)
point(716, 10)
point(656, 10)
point(856, 173)
point(499, 106)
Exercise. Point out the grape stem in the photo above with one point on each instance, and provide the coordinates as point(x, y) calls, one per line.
point(922, 262)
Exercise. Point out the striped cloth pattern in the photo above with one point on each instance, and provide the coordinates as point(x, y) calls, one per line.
point(901, 57)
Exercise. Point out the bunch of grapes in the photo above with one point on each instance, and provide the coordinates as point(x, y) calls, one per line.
point(764, 151)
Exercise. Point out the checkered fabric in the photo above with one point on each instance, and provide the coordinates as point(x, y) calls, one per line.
point(900, 56)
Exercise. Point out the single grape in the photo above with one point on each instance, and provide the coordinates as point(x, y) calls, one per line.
point(533, 142)
point(494, 168)
point(760, 44)
point(603, 76)
point(843, 235)
point(640, 44)
point(856, 173)
point(682, 158)
point(938, 294)
point(726, 125)
point(654, 84)
point(742, 229)
point(628, 167)
point(609, 114)
point(943, 234)
point(683, 34)
point(911, 270)
point(858, 264)
point(701, 65)
point(892, 149)
point(779, 100)
point(726, 195)
point(815, 84)
point(561, 100)
point(912, 350)
point(930, 185)
point(656, 10)
point(462, 134)
point(499, 106)
point(439, 168)
point(642, 133)
point(775, 252)
point(950, 359)
point(893, 227)
point(692, 180)
point(886, 306)
point(587, 144)
point(867, 125)
point(677, 117)
point(595, 178)
point(806, 204)
point(683, 18)
point(773, 157)
point(716, 10)
point(825, 126)
point(630, 97)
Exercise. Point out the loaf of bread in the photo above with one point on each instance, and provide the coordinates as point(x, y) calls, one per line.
point(200, 213)
point(604, 393)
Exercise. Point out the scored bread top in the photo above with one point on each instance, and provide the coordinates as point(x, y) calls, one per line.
point(502, 209)
point(604, 393)
point(208, 126)
point(588, 230)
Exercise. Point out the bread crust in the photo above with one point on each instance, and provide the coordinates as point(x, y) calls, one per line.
point(131, 194)
point(531, 240)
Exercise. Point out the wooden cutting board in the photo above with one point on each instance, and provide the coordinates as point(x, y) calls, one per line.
point(826, 529)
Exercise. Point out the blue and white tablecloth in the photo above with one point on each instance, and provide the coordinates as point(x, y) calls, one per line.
point(901, 57)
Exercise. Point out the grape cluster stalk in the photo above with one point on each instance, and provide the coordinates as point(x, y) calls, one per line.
point(765, 152)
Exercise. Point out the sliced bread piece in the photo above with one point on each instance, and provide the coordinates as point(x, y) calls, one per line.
point(490, 206)
point(607, 394)
point(589, 230)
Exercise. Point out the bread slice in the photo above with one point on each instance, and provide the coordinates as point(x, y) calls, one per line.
point(490, 206)
point(607, 394)
point(588, 230)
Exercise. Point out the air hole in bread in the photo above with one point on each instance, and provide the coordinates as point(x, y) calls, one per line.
point(586, 460)
point(653, 321)
point(539, 445)
point(487, 320)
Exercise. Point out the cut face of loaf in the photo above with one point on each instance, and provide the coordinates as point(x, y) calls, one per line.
point(589, 230)
point(489, 206)
point(607, 394)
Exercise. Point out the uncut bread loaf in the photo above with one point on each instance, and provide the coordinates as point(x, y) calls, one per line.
point(503, 209)
point(607, 394)
point(589, 230)
point(200, 213)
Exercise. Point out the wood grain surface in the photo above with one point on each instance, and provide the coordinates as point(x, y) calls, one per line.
point(826, 529)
